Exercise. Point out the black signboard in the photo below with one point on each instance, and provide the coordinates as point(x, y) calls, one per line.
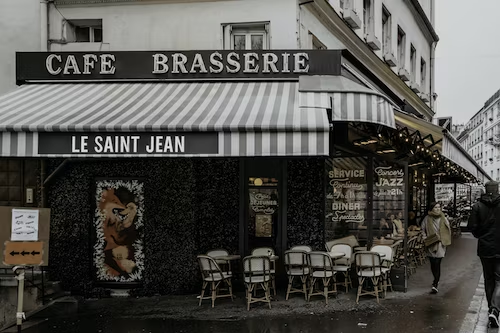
point(175, 65)
point(173, 143)
point(346, 198)
point(389, 200)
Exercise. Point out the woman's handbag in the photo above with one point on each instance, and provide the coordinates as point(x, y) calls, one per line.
point(431, 240)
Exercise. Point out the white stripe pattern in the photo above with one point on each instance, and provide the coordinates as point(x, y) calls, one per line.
point(252, 118)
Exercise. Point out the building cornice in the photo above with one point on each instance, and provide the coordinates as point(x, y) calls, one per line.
point(422, 20)
point(367, 57)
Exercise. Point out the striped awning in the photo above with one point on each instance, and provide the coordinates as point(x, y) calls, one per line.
point(349, 101)
point(445, 143)
point(250, 118)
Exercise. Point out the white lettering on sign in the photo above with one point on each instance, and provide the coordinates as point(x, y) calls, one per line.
point(71, 65)
point(81, 146)
point(219, 66)
point(49, 63)
point(250, 66)
point(166, 144)
point(388, 171)
point(115, 144)
point(339, 173)
point(160, 63)
point(181, 63)
point(300, 63)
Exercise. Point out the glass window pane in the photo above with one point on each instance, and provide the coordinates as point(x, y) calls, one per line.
point(239, 42)
point(97, 35)
point(257, 42)
point(82, 34)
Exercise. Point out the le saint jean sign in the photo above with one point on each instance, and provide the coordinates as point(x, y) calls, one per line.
point(176, 65)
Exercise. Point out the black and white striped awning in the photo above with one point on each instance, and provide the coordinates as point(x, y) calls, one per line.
point(250, 118)
point(349, 101)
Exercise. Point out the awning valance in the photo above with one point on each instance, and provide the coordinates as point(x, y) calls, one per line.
point(445, 143)
point(348, 100)
point(247, 118)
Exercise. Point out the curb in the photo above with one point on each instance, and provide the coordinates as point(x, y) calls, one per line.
point(475, 313)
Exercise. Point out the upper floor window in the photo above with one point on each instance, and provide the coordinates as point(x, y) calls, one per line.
point(316, 43)
point(84, 31)
point(423, 74)
point(367, 16)
point(246, 36)
point(386, 30)
point(401, 47)
point(413, 62)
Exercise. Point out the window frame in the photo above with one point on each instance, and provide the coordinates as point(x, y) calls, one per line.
point(413, 62)
point(368, 18)
point(248, 29)
point(401, 47)
point(91, 24)
point(386, 30)
point(423, 74)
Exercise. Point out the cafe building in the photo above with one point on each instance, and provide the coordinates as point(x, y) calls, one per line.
point(147, 159)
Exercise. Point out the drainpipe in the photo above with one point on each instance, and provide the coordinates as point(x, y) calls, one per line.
point(44, 25)
point(432, 77)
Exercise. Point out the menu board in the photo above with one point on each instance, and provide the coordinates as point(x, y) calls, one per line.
point(263, 211)
point(388, 199)
point(346, 198)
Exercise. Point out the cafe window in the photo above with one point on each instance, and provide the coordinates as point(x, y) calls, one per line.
point(346, 198)
point(389, 202)
point(11, 193)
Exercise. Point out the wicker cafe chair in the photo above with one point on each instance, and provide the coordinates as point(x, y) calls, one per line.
point(267, 251)
point(221, 262)
point(257, 272)
point(296, 266)
point(321, 268)
point(368, 265)
point(211, 273)
point(305, 248)
point(387, 259)
point(343, 264)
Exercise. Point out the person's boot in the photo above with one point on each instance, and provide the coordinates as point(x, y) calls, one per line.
point(493, 318)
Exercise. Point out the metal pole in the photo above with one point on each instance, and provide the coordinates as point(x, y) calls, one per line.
point(455, 201)
point(19, 270)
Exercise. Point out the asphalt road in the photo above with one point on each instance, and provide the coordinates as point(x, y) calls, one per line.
point(417, 311)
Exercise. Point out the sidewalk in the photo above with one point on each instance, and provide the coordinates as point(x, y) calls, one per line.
point(476, 320)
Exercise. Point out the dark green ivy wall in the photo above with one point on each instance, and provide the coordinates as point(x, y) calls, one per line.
point(191, 206)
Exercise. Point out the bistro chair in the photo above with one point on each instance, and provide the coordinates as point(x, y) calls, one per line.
point(386, 253)
point(221, 262)
point(343, 264)
point(212, 274)
point(257, 272)
point(368, 266)
point(267, 251)
point(321, 268)
point(305, 248)
point(296, 266)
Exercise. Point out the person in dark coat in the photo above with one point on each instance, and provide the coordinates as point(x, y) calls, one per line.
point(484, 223)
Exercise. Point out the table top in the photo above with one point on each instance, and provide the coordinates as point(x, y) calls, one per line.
point(336, 255)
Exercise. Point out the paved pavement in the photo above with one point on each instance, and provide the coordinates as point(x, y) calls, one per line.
point(476, 320)
point(415, 311)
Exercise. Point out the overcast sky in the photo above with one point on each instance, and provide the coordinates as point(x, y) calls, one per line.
point(467, 56)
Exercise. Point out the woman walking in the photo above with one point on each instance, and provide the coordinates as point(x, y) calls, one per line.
point(437, 236)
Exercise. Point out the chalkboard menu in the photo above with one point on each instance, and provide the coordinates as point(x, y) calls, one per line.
point(346, 197)
point(388, 199)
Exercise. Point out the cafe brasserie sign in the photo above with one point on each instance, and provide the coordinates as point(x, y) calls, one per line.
point(175, 65)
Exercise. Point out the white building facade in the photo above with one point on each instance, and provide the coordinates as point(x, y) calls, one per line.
point(395, 40)
point(481, 136)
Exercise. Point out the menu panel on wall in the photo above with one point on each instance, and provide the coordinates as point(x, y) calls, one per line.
point(263, 207)
point(389, 200)
point(346, 198)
